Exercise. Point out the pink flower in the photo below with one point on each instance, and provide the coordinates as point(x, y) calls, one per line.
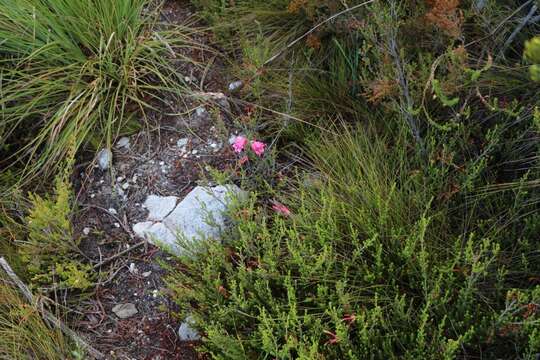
point(258, 147)
point(281, 209)
point(350, 318)
point(333, 338)
point(239, 144)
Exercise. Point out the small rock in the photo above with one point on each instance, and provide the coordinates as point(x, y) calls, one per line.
point(125, 186)
point(218, 98)
point(104, 159)
point(123, 143)
point(182, 142)
point(133, 268)
point(146, 274)
point(113, 211)
point(159, 206)
point(186, 332)
point(86, 231)
point(200, 112)
point(124, 311)
point(236, 86)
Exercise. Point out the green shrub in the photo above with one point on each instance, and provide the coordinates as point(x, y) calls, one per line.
point(372, 263)
point(50, 251)
point(79, 69)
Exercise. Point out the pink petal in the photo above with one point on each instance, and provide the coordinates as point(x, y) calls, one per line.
point(281, 209)
point(239, 144)
point(258, 147)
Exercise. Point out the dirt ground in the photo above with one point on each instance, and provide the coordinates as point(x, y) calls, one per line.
point(167, 159)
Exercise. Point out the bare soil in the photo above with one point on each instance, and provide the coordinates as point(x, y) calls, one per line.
point(110, 202)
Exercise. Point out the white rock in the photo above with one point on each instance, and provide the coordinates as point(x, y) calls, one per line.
point(125, 186)
point(86, 231)
point(182, 142)
point(159, 206)
point(124, 311)
point(123, 143)
point(158, 234)
point(141, 228)
point(202, 212)
point(113, 211)
point(236, 85)
point(104, 159)
point(200, 112)
point(186, 332)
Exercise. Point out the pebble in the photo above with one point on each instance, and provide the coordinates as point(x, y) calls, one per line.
point(113, 211)
point(182, 142)
point(124, 311)
point(186, 332)
point(201, 112)
point(236, 85)
point(146, 273)
point(104, 159)
point(86, 231)
point(123, 143)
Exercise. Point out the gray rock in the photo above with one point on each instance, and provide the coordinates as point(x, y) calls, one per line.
point(201, 213)
point(160, 206)
point(201, 112)
point(236, 86)
point(140, 229)
point(186, 332)
point(182, 142)
point(104, 159)
point(158, 234)
point(124, 311)
point(123, 143)
point(216, 97)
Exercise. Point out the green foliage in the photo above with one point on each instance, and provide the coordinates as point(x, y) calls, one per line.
point(532, 54)
point(78, 70)
point(372, 263)
point(50, 249)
